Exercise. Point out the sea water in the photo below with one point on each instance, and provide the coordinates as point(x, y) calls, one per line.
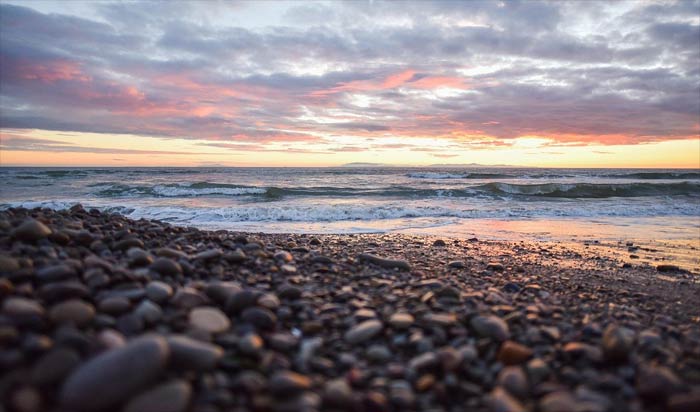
point(493, 203)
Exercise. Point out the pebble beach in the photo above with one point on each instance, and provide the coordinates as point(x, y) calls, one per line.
point(99, 312)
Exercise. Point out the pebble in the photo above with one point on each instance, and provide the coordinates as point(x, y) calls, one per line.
point(173, 396)
point(251, 344)
point(337, 393)
point(363, 331)
point(456, 264)
point(323, 260)
point(259, 317)
point(158, 292)
point(114, 305)
point(337, 330)
point(560, 401)
point(166, 267)
point(666, 268)
point(283, 342)
point(513, 353)
point(284, 256)
point(439, 243)
point(537, 370)
point(237, 256)
point(657, 382)
point(207, 255)
point(499, 400)
point(188, 298)
point(617, 343)
point(31, 230)
point(220, 292)
point(139, 257)
point(58, 291)
point(130, 242)
point(378, 353)
point(401, 320)
point(495, 266)
point(209, 319)
point(440, 319)
point(26, 399)
point(55, 273)
point(75, 311)
point(385, 263)
point(513, 379)
point(191, 354)
point(149, 312)
point(22, 310)
point(54, 366)
point(288, 383)
point(111, 339)
point(269, 301)
point(424, 361)
point(288, 291)
point(241, 300)
point(684, 402)
point(8, 264)
point(491, 327)
point(580, 349)
point(115, 375)
point(401, 394)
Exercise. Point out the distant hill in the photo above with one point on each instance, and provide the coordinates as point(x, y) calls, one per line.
point(363, 164)
point(467, 165)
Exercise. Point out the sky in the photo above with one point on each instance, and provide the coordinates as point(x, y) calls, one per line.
point(273, 83)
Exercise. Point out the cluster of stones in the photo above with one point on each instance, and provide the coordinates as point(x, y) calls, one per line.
point(102, 313)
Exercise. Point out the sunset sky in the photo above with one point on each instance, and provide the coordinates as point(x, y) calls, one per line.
point(267, 83)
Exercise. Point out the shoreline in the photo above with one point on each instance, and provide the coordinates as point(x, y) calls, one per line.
point(310, 322)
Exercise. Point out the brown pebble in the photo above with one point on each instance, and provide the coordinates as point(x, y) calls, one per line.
point(513, 353)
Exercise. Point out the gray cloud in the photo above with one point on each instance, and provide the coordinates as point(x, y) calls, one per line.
point(596, 70)
point(18, 143)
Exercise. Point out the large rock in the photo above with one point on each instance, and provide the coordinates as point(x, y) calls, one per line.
point(116, 375)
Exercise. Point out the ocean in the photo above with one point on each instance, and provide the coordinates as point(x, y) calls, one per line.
point(495, 203)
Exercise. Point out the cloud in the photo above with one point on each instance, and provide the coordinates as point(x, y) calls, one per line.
point(479, 74)
point(29, 144)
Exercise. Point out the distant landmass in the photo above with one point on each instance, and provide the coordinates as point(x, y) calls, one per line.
point(365, 164)
point(468, 165)
point(362, 164)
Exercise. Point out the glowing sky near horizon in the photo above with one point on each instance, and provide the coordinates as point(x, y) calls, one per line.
point(577, 84)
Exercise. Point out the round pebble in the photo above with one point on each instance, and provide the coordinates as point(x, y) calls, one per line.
point(173, 396)
point(363, 331)
point(209, 319)
point(31, 230)
point(116, 375)
point(74, 311)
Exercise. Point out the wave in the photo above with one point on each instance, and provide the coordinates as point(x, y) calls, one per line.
point(657, 175)
point(175, 190)
point(592, 190)
point(492, 190)
point(321, 212)
point(447, 175)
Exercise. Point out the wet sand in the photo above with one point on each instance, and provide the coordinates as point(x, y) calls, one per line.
point(223, 321)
